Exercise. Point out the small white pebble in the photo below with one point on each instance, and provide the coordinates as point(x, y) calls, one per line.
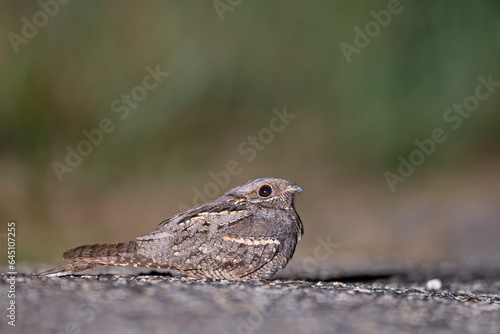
point(433, 284)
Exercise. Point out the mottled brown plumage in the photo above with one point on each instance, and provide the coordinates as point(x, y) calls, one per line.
point(250, 232)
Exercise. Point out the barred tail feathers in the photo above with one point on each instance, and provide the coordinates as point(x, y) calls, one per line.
point(92, 256)
point(111, 253)
point(70, 269)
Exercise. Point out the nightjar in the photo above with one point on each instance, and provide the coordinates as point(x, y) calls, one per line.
point(250, 232)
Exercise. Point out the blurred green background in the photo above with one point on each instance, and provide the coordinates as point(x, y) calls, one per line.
point(229, 67)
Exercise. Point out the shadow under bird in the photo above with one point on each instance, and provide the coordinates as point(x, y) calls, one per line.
point(250, 232)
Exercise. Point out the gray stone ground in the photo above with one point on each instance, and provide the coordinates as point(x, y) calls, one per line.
point(363, 298)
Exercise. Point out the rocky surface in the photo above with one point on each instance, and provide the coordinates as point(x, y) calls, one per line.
point(376, 298)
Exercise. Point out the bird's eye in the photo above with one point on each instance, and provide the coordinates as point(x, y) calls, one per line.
point(265, 191)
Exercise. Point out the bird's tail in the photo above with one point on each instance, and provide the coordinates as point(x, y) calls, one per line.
point(92, 256)
point(70, 269)
point(102, 253)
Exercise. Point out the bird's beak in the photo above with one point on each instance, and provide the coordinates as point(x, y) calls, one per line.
point(295, 189)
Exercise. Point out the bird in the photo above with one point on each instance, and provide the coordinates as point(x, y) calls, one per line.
point(248, 233)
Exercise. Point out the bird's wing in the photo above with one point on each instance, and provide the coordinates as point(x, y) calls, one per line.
point(208, 240)
point(207, 220)
point(254, 241)
point(245, 255)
